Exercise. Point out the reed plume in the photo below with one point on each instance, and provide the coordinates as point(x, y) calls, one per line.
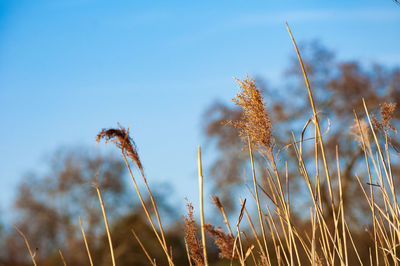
point(120, 137)
point(195, 247)
point(362, 132)
point(254, 122)
point(224, 242)
point(217, 202)
point(386, 112)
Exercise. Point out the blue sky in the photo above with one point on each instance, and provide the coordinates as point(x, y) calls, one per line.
point(70, 68)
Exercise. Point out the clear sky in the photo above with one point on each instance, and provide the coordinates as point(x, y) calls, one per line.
point(71, 67)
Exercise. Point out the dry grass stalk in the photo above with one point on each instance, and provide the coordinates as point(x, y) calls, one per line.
point(342, 248)
point(324, 229)
point(332, 240)
point(238, 237)
point(62, 257)
point(188, 252)
point(249, 252)
point(195, 248)
point(218, 204)
point(143, 248)
point(387, 217)
point(33, 254)
point(161, 239)
point(263, 254)
point(328, 242)
point(381, 156)
point(260, 213)
point(203, 234)
point(316, 122)
point(272, 229)
point(86, 243)
point(365, 140)
point(120, 137)
point(105, 222)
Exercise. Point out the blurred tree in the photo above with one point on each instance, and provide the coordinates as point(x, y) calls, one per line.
point(49, 205)
point(338, 88)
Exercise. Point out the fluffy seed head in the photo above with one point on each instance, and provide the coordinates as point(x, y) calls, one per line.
point(355, 131)
point(193, 243)
point(120, 137)
point(224, 242)
point(254, 122)
point(387, 111)
point(217, 202)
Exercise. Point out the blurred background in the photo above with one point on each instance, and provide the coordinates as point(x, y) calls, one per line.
point(165, 69)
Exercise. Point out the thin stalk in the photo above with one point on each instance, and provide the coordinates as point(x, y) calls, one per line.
point(222, 210)
point(341, 209)
point(316, 122)
point(147, 212)
point(86, 243)
point(272, 223)
point(155, 210)
point(143, 248)
point(203, 233)
point(255, 233)
point(313, 226)
point(371, 187)
point(317, 181)
point(241, 255)
point(62, 257)
point(321, 219)
point(188, 253)
point(106, 224)
point(286, 211)
point(256, 193)
point(352, 242)
point(27, 244)
point(381, 156)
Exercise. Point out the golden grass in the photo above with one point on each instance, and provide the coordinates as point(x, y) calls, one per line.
point(329, 240)
point(120, 137)
point(276, 240)
point(105, 223)
point(203, 234)
point(85, 241)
